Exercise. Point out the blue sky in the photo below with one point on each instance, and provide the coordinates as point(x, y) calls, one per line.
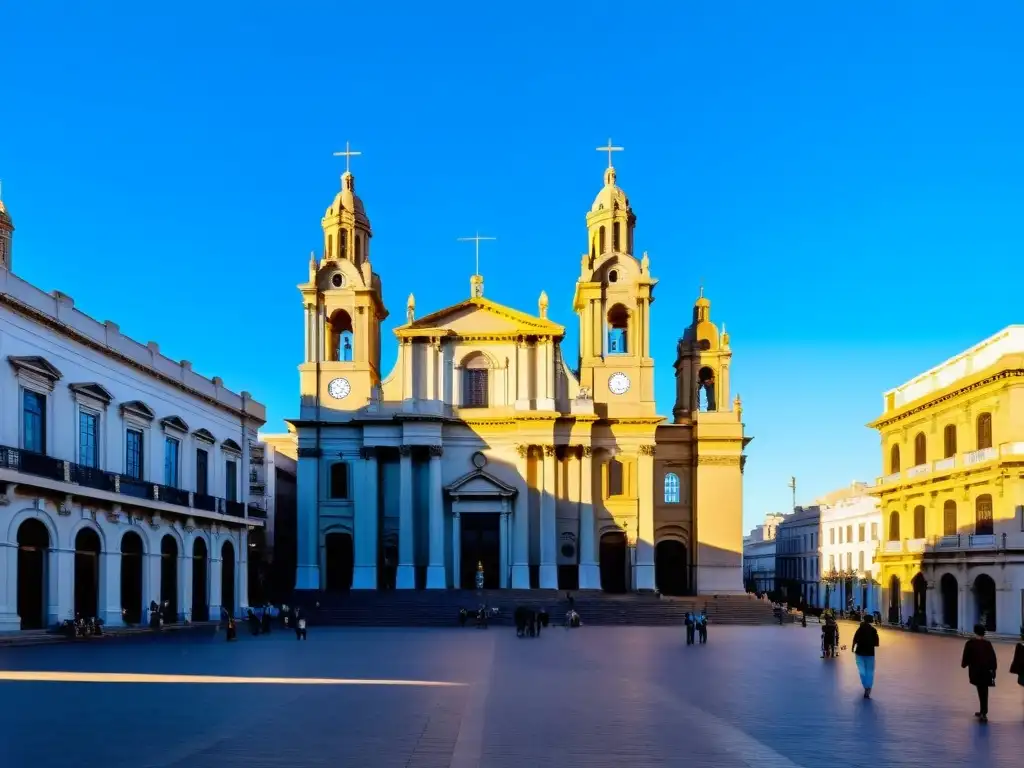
point(846, 179)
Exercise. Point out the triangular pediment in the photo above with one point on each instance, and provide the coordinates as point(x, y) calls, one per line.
point(92, 390)
point(231, 445)
point(174, 422)
point(35, 365)
point(205, 435)
point(480, 316)
point(480, 483)
point(138, 409)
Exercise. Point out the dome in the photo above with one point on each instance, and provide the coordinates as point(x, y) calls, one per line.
point(346, 199)
point(610, 196)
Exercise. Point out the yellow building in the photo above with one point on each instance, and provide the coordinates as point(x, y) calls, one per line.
point(483, 447)
point(952, 497)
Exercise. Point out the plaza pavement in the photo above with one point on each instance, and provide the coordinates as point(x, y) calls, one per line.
point(590, 697)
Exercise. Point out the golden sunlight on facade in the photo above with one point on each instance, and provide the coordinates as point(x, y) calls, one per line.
point(483, 447)
point(952, 497)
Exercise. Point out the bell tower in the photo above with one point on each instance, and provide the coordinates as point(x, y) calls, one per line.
point(613, 300)
point(703, 358)
point(6, 236)
point(344, 308)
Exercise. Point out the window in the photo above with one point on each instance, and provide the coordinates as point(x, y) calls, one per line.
point(615, 237)
point(341, 347)
point(618, 330)
point(849, 561)
point(984, 431)
point(920, 449)
point(88, 438)
point(33, 406)
point(600, 240)
point(231, 480)
point(831, 535)
point(343, 243)
point(202, 472)
point(983, 516)
point(831, 563)
point(849, 534)
point(949, 441)
point(172, 453)
point(918, 522)
point(359, 248)
point(874, 531)
point(949, 518)
point(671, 488)
point(339, 481)
point(894, 526)
point(840, 535)
point(860, 562)
point(133, 454)
point(861, 531)
point(475, 381)
point(614, 477)
point(894, 460)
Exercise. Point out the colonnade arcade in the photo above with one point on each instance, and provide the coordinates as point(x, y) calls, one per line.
point(112, 567)
point(954, 598)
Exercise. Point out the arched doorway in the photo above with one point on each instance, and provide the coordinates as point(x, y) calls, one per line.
point(339, 561)
point(895, 596)
point(227, 578)
point(33, 551)
point(131, 578)
point(614, 562)
point(200, 587)
point(950, 589)
point(985, 601)
point(169, 578)
point(670, 571)
point(87, 573)
point(920, 586)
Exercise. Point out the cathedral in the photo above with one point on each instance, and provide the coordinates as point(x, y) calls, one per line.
point(485, 452)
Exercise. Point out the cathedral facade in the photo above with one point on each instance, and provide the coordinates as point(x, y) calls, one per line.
point(484, 451)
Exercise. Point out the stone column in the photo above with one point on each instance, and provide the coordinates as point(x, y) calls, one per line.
point(456, 550)
point(216, 572)
point(307, 570)
point(151, 583)
point(435, 570)
point(185, 585)
point(241, 572)
point(521, 522)
point(405, 578)
point(110, 589)
point(645, 519)
point(9, 619)
point(503, 540)
point(590, 574)
point(548, 523)
point(364, 574)
point(60, 593)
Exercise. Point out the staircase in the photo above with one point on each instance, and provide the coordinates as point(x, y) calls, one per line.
point(440, 608)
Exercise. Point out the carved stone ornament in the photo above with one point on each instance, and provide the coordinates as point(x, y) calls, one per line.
point(646, 450)
point(588, 451)
point(64, 510)
point(309, 453)
point(584, 394)
point(367, 452)
point(435, 451)
point(405, 450)
point(523, 450)
point(719, 461)
point(113, 516)
point(549, 451)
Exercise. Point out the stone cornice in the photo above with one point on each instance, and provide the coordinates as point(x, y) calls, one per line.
point(885, 421)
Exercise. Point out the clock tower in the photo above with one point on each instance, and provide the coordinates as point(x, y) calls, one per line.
point(344, 308)
point(613, 300)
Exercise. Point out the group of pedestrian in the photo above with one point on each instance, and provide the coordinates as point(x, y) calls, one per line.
point(696, 626)
point(261, 621)
point(979, 659)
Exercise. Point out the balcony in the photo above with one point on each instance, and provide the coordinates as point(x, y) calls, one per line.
point(893, 546)
point(1011, 449)
point(920, 469)
point(945, 464)
point(1008, 451)
point(979, 456)
point(108, 486)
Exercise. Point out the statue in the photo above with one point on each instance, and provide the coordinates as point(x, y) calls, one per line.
point(479, 575)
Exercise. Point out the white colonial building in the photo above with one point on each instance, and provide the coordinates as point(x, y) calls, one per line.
point(797, 556)
point(851, 525)
point(759, 555)
point(123, 474)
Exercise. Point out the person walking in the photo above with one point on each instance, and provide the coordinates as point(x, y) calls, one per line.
point(980, 661)
point(865, 640)
point(1017, 665)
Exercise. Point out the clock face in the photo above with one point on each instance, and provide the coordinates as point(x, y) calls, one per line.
point(618, 383)
point(339, 388)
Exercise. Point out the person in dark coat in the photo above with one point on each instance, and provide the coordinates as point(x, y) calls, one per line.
point(690, 627)
point(980, 661)
point(865, 640)
point(1017, 667)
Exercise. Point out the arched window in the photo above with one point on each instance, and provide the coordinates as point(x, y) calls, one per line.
point(359, 248)
point(983, 515)
point(706, 384)
point(949, 441)
point(894, 459)
point(600, 240)
point(615, 483)
point(475, 381)
point(918, 522)
point(894, 526)
point(949, 518)
point(920, 449)
point(618, 330)
point(671, 488)
point(342, 348)
point(616, 242)
point(330, 247)
point(984, 431)
point(339, 480)
point(343, 243)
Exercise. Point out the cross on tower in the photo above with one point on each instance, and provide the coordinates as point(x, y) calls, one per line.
point(477, 238)
point(609, 149)
point(348, 154)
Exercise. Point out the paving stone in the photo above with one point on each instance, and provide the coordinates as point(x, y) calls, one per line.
point(635, 696)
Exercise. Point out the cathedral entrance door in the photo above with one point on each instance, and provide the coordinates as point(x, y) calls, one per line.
point(480, 543)
point(614, 560)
